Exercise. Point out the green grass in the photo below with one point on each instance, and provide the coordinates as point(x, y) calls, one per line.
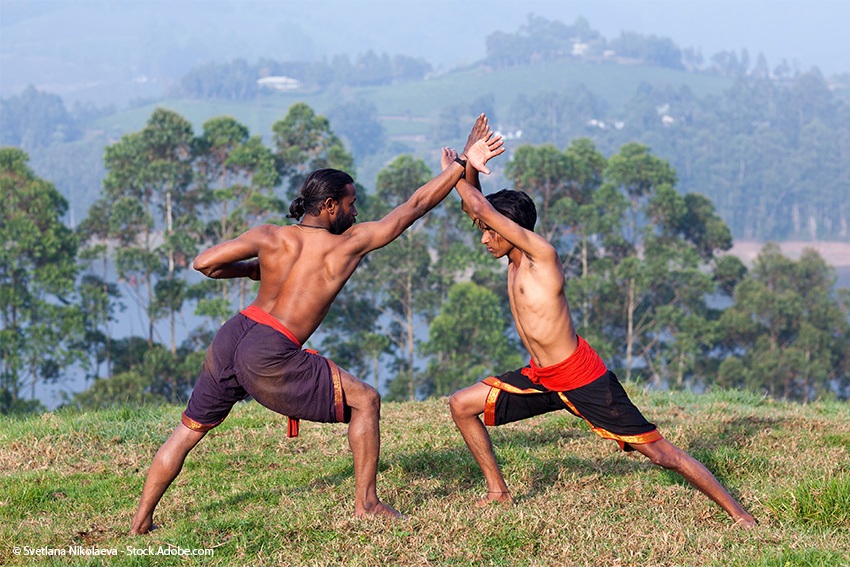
point(255, 497)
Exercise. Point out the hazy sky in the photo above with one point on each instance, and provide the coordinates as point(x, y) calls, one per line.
point(39, 33)
point(810, 32)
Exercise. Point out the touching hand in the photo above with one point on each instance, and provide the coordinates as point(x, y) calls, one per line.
point(482, 145)
point(481, 129)
point(447, 156)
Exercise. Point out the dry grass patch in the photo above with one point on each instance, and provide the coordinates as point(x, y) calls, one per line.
point(256, 497)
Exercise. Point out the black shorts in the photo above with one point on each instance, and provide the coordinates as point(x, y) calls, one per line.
point(603, 403)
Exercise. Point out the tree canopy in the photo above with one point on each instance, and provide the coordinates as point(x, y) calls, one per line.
point(645, 263)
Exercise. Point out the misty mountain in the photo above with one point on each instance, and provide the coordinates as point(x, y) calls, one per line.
point(114, 51)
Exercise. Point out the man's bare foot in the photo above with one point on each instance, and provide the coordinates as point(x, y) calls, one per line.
point(746, 522)
point(379, 509)
point(495, 496)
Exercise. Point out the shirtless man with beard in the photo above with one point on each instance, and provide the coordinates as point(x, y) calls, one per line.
point(301, 269)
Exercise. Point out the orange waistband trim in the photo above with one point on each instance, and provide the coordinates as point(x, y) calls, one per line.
point(622, 440)
point(254, 313)
point(197, 426)
point(579, 369)
point(490, 406)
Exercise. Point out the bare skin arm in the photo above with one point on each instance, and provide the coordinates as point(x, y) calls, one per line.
point(482, 145)
point(236, 258)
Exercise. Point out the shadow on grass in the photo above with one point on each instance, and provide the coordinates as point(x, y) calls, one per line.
point(457, 470)
point(722, 452)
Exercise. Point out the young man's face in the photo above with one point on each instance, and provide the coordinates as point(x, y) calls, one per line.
point(496, 245)
point(346, 211)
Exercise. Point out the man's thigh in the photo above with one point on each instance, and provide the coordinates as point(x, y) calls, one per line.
point(512, 396)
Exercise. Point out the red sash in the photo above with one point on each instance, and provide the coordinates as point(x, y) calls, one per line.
point(579, 369)
point(254, 313)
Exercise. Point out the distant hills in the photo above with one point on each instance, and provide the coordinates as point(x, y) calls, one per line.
point(112, 52)
point(766, 148)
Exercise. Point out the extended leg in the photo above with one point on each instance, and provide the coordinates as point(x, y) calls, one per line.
point(667, 455)
point(166, 465)
point(364, 438)
point(466, 405)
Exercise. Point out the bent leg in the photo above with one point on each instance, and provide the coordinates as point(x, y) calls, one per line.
point(667, 455)
point(165, 467)
point(364, 438)
point(466, 405)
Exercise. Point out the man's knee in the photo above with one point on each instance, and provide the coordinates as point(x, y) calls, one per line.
point(461, 406)
point(665, 454)
point(173, 452)
point(364, 397)
point(372, 399)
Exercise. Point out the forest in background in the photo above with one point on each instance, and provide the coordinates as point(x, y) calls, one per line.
point(648, 285)
point(640, 197)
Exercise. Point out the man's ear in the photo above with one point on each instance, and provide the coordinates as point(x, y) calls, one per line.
point(330, 204)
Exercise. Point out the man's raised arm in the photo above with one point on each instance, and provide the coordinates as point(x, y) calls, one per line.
point(485, 216)
point(481, 146)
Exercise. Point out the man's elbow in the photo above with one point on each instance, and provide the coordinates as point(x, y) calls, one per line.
point(203, 267)
point(476, 207)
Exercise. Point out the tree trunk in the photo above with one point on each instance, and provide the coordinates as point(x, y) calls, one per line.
point(169, 232)
point(585, 306)
point(630, 328)
point(410, 344)
point(108, 346)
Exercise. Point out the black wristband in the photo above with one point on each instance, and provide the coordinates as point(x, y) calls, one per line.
point(462, 163)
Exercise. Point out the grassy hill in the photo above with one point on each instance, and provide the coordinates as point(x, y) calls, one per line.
point(253, 496)
point(408, 109)
point(409, 112)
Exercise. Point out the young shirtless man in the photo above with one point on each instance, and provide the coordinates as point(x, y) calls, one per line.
point(564, 372)
point(301, 269)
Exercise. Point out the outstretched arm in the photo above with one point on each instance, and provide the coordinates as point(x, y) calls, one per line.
point(482, 145)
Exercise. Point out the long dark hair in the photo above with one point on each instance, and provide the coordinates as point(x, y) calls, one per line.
point(317, 187)
point(515, 205)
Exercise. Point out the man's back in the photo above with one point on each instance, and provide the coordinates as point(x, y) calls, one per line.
point(303, 269)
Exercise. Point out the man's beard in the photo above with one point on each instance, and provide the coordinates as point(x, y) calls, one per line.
point(341, 223)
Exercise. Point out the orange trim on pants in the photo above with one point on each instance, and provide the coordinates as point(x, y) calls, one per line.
point(622, 440)
point(339, 400)
point(196, 426)
point(496, 386)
